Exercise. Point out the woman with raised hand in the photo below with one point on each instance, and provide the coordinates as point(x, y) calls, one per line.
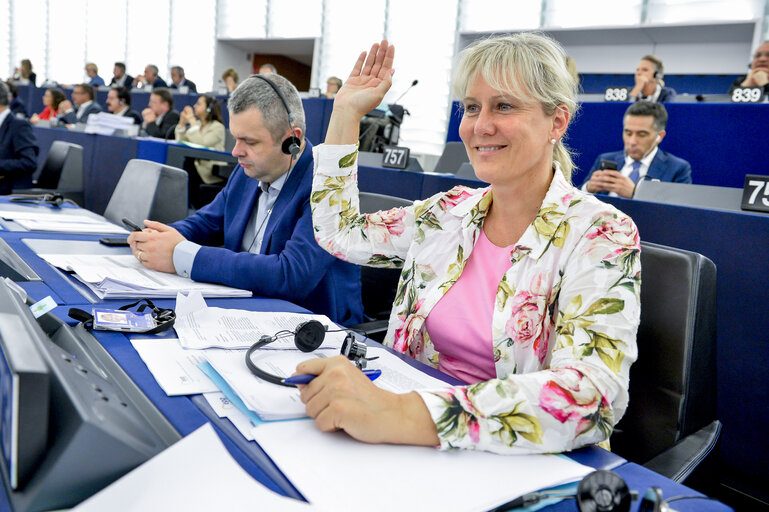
point(527, 290)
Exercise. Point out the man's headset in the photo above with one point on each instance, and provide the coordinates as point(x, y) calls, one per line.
point(308, 336)
point(292, 145)
point(54, 199)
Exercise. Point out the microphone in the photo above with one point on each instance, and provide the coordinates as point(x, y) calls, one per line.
point(407, 90)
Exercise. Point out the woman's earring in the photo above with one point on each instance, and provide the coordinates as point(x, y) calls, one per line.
point(552, 141)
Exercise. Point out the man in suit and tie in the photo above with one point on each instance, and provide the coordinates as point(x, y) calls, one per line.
point(83, 96)
point(150, 77)
point(160, 118)
point(178, 80)
point(643, 130)
point(257, 233)
point(18, 147)
point(121, 79)
point(119, 103)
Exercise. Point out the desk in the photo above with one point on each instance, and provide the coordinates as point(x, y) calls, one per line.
point(723, 142)
point(185, 415)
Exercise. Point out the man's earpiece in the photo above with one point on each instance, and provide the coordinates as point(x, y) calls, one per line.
point(291, 146)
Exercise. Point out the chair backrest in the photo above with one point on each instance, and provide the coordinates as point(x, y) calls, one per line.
point(466, 172)
point(379, 285)
point(673, 382)
point(454, 155)
point(149, 190)
point(687, 194)
point(62, 169)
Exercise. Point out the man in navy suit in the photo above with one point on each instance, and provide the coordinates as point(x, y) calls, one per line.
point(643, 130)
point(121, 79)
point(83, 95)
point(257, 233)
point(150, 77)
point(179, 80)
point(18, 147)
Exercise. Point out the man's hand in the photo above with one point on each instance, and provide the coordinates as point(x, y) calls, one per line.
point(341, 397)
point(65, 106)
point(758, 77)
point(610, 181)
point(154, 247)
point(149, 116)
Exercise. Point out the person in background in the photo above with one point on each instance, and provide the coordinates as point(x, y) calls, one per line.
point(92, 70)
point(160, 118)
point(267, 68)
point(52, 99)
point(759, 71)
point(333, 84)
point(120, 78)
point(649, 83)
point(643, 128)
point(201, 124)
point(230, 77)
point(150, 77)
point(178, 79)
point(17, 106)
point(119, 103)
point(257, 233)
point(84, 97)
point(18, 147)
point(24, 75)
point(526, 290)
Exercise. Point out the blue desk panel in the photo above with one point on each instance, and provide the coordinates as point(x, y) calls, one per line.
point(596, 83)
point(722, 142)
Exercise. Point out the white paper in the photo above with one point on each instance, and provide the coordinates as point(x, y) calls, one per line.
point(190, 303)
point(123, 277)
point(174, 368)
point(235, 328)
point(224, 409)
point(195, 474)
point(374, 477)
point(60, 222)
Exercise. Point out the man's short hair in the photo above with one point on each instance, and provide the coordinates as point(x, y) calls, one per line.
point(649, 108)
point(13, 89)
point(86, 88)
point(335, 80)
point(164, 95)
point(658, 67)
point(154, 68)
point(124, 95)
point(179, 70)
point(254, 92)
point(269, 66)
point(4, 94)
point(120, 65)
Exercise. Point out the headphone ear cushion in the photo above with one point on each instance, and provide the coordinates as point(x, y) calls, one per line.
point(603, 490)
point(291, 146)
point(309, 335)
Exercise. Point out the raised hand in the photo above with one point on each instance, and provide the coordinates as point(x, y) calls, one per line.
point(364, 89)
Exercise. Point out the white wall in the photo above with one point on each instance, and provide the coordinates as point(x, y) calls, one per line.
point(227, 55)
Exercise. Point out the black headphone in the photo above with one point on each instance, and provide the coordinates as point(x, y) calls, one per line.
point(55, 199)
point(308, 336)
point(292, 145)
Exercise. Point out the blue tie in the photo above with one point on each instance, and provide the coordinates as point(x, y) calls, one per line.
point(636, 171)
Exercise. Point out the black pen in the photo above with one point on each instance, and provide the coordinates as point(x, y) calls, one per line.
point(131, 225)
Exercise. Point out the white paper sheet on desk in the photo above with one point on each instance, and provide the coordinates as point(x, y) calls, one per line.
point(235, 328)
point(195, 474)
point(174, 368)
point(224, 409)
point(273, 402)
point(123, 277)
point(61, 223)
point(391, 477)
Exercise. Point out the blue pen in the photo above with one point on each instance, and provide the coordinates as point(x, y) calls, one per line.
point(307, 378)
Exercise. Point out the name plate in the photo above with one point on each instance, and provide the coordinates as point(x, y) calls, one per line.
point(395, 157)
point(617, 94)
point(755, 194)
point(748, 95)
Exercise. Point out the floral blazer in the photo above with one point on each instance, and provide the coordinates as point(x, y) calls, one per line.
point(565, 318)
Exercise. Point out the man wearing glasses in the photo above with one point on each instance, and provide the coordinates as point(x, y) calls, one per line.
point(759, 71)
point(83, 97)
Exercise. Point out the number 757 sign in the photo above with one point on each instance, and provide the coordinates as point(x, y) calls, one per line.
point(755, 194)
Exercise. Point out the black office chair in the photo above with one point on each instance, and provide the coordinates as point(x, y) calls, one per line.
point(149, 190)
point(61, 172)
point(378, 285)
point(671, 422)
point(454, 155)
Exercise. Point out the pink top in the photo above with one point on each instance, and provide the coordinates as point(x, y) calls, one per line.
point(460, 323)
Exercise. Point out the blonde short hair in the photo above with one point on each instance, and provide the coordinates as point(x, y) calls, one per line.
point(526, 66)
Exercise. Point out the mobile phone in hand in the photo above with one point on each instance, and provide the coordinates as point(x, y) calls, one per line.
point(608, 164)
point(114, 242)
point(131, 225)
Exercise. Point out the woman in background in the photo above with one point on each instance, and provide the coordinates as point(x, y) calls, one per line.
point(25, 73)
point(527, 290)
point(52, 98)
point(230, 77)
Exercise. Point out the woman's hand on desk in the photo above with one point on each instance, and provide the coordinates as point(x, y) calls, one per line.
point(341, 397)
point(154, 247)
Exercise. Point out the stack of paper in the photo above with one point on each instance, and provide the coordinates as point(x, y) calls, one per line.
point(123, 277)
point(34, 220)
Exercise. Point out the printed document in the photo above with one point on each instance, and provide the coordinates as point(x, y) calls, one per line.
point(174, 368)
point(60, 222)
